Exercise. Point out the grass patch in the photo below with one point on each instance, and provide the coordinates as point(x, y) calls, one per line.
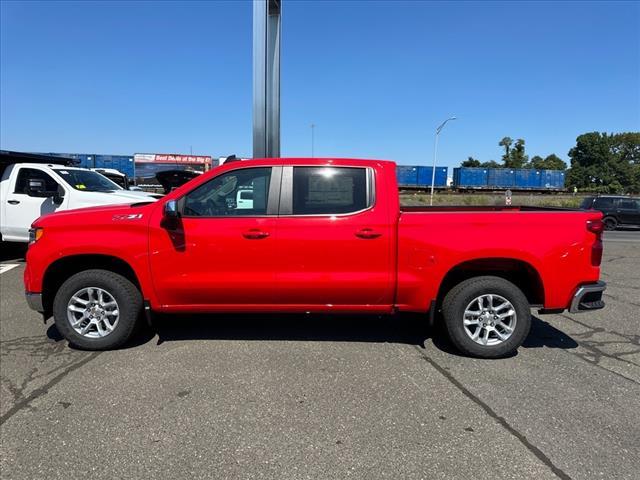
point(484, 199)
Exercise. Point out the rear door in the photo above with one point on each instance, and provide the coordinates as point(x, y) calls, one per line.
point(629, 211)
point(334, 240)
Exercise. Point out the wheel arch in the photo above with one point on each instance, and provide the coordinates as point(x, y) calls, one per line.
point(519, 272)
point(60, 270)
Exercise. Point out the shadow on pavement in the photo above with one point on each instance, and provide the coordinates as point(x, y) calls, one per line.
point(403, 329)
point(13, 251)
point(543, 334)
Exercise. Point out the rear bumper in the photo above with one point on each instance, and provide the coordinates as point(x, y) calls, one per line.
point(34, 300)
point(588, 297)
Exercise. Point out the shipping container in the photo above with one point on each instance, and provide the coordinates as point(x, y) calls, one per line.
point(470, 177)
point(407, 175)
point(501, 178)
point(552, 179)
point(425, 176)
point(528, 179)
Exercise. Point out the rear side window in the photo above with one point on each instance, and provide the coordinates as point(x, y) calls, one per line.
point(604, 203)
point(26, 173)
point(329, 190)
point(629, 204)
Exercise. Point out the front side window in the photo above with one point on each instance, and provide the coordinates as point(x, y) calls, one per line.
point(87, 180)
point(25, 174)
point(586, 203)
point(243, 192)
point(329, 190)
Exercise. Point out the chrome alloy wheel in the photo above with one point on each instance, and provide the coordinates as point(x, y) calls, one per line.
point(93, 312)
point(489, 319)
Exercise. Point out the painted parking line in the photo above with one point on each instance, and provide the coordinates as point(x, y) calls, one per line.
point(5, 267)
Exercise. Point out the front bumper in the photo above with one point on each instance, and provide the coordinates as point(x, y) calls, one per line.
point(588, 297)
point(34, 300)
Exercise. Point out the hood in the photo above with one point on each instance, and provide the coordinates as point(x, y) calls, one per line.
point(98, 215)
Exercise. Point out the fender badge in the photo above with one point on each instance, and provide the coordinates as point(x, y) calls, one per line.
point(127, 216)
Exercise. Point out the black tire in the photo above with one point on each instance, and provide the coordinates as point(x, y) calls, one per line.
point(124, 292)
point(610, 223)
point(459, 297)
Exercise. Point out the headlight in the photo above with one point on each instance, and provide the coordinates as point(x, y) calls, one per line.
point(35, 234)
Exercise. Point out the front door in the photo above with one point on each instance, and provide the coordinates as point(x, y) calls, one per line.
point(220, 253)
point(334, 241)
point(22, 209)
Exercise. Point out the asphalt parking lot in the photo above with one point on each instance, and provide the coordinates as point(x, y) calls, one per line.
point(317, 397)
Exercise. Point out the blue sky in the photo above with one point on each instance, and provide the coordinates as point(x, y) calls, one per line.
point(375, 77)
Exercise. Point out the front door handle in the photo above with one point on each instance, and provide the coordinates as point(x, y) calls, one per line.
point(368, 234)
point(13, 202)
point(255, 234)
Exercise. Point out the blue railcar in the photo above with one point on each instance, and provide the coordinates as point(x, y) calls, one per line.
point(407, 175)
point(470, 177)
point(501, 178)
point(425, 176)
point(552, 179)
point(528, 179)
point(122, 163)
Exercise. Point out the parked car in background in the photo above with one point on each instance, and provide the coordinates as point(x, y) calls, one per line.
point(617, 210)
point(31, 190)
point(123, 181)
point(317, 235)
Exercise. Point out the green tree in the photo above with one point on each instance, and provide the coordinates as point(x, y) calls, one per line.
point(490, 164)
point(506, 142)
point(516, 157)
point(551, 162)
point(537, 162)
point(470, 162)
point(607, 163)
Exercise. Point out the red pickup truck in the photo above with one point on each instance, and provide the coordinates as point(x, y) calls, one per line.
point(312, 235)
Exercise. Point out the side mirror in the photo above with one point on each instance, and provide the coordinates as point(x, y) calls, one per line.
point(35, 187)
point(171, 218)
point(58, 198)
point(171, 209)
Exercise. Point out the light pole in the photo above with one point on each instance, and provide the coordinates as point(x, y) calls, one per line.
point(313, 127)
point(435, 154)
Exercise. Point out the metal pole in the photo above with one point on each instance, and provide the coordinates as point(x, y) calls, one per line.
point(266, 78)
point(433, 171)
point(435, 154)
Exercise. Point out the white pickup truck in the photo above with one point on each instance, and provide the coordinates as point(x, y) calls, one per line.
point(30, 190)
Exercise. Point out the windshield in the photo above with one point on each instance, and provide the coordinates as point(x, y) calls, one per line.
point(86, 180)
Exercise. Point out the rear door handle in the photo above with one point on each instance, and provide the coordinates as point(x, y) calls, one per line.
point(14, 202)
point(255, 234)
point(368, 234)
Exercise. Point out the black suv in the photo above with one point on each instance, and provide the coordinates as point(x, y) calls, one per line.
point(617, 210)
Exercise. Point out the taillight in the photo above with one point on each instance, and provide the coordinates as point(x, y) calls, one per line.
point(597, 227)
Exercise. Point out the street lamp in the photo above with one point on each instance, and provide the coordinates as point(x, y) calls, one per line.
point(435, 154)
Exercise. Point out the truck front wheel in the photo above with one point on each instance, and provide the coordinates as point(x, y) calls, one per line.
point(97, 309)
point(487, 317)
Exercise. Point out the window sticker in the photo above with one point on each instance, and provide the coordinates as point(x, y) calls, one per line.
point(81, 186)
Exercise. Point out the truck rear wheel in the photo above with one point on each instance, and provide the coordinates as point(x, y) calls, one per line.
point(97, 309)
point(486, 317)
